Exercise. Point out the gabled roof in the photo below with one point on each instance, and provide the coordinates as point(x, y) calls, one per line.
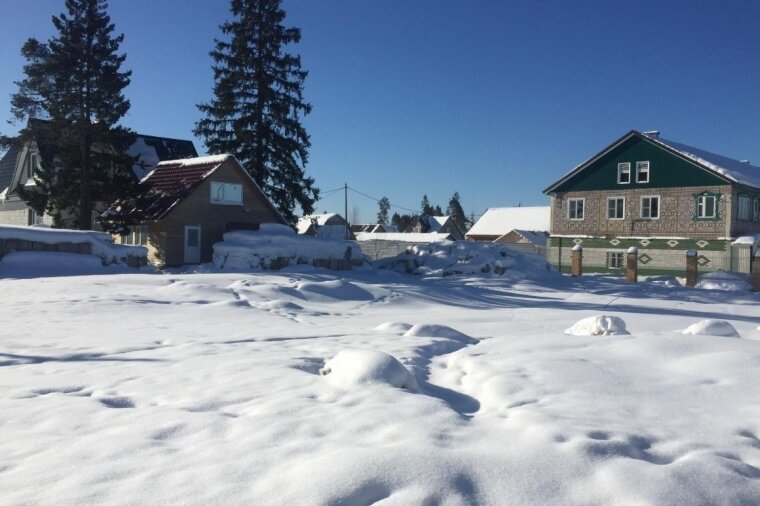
point(497, 221)
point(537, 238)
point(8, 167)
point(728, 169)
point(170, 183)
point(735, 170)
point(149, 149)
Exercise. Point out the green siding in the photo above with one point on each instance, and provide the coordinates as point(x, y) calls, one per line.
point(666, 170)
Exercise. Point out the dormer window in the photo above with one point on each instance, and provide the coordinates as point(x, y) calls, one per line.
point(642, 172)
point(624, 173)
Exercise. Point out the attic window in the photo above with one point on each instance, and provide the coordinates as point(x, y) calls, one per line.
point(33, 164)
point(642, 172)
point(226, 193)
point(624, 173)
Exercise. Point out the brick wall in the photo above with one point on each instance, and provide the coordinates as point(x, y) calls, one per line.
point(677, 207)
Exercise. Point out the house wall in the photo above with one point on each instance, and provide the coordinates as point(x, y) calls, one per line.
point(197, 209)
point(744, 227)
point(656, 256)
point(677, 214)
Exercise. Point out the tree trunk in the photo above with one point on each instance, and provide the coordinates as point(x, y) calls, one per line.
point(85, 203)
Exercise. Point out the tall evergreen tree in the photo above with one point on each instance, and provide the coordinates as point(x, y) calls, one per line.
point(425, 208)
point(456, 212)
point(258, 103)
point(75, 81)
point(384, 205)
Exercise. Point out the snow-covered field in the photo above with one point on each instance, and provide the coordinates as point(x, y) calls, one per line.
point(206, 389)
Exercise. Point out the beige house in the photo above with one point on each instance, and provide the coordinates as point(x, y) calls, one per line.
point(185, 206)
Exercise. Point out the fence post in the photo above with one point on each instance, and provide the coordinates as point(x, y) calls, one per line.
point(756, 272)
point(632, 265)
point(691, 268)
point(576, 269)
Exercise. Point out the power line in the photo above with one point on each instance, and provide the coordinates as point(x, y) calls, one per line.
point(378, 200)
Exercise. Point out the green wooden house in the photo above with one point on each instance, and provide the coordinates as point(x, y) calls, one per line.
point(662, 197)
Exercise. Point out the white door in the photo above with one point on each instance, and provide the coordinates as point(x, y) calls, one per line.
point(193, 244)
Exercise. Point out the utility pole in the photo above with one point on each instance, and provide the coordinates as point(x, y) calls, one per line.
point(345, 209)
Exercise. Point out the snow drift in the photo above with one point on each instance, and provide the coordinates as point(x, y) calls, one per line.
point(712, 328)
point(465, 257)
point(598, 326)
point(350, 368)
point(273, 247)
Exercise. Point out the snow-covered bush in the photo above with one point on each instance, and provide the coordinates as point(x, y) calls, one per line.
point(350, 368)
point(601, 325)
point(463, 257)
point(712, 328)
point(276, 246)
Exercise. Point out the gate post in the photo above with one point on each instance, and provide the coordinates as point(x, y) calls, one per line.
point(632, 265)
point(576, 269)
point(691, 268)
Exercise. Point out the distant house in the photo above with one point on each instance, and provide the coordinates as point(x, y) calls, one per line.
point(434, 224)
point(184, 206)
point(512, 225)
point(662, 197)
point(324, 226)
point(18, 163)
point(373, 228)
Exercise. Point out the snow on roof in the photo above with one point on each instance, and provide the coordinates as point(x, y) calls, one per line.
point(435, 223)
point(735, 170)
point(403, 237)
point(501, 220)
point(200, 160)
point(537, 238)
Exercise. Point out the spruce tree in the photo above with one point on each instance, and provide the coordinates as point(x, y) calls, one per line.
point(258, 103)
point(75, 81)
point(425, 208)
point(456, 212)
point(384, 205)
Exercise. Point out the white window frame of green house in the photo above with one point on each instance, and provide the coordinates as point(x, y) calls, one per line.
point(648, 214)
point(617, 200)
point(642, 168)
point(138, 236)
point(227, 194)
point(702, 207)
point(744, 207)
point(615, 259)
point(624, 168)
point(578, 215)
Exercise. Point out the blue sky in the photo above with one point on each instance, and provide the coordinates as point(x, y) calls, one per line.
point(494, 99)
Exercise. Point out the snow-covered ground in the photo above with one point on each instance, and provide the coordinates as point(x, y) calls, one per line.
point(270, 388)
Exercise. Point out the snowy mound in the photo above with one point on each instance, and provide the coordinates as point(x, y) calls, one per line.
point(393, 327)
point(598, 326)
point(465, 257)
point(727, 281)
point(712, 328)
point(337, 289)
point(426, 330)
point(40, 264)
point(277, 246)
point(350, 368)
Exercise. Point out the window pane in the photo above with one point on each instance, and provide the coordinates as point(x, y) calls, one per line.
point(654, 208)
point(233, 193)
point(709, 207)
